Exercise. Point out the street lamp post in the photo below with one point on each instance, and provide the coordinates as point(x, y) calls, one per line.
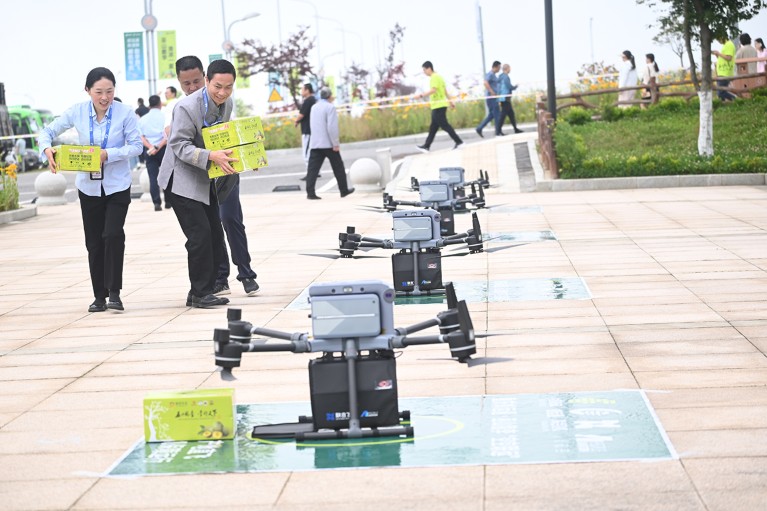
point(228, 46)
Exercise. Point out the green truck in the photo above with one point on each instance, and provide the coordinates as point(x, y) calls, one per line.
point(6, 129)
point(26, 120)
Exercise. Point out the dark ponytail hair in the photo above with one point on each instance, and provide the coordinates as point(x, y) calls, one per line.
point(631, 58)
point(651, 57)
point(97, 74)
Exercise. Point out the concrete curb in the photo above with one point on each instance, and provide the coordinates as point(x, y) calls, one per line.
point(25, 211)
point(617, 183)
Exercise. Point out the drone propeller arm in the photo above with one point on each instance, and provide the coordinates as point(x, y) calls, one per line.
point(417, 327)
point(277, 334)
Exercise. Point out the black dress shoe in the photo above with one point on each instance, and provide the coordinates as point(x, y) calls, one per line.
point(479, 132)
point(517, 130)
point(313, 197)
point(205, 302)
point(348, 192)
point(115, 304)
point(97, 306)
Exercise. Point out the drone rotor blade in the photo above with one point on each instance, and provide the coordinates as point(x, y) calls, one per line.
point(226, 374)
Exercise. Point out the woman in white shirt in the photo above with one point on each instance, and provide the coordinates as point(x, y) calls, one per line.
point(649, 77)
point(104, 196)
point(627, 78)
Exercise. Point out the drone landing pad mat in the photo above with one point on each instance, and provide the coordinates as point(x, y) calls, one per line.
point(449, 431)
point(557, 288)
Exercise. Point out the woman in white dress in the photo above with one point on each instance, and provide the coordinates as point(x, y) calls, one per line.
point(627, 78)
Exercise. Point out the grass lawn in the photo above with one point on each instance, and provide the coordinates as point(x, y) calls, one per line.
point(663, 140)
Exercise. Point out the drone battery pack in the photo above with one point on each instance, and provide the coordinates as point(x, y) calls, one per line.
point(446, 222)
point(376, 392)
point(429, 271)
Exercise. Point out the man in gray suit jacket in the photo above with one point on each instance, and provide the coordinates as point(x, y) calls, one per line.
point(184, 177)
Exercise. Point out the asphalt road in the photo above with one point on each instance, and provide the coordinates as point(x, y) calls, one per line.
point(286, 166)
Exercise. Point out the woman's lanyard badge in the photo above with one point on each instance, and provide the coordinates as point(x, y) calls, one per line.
point(98, 176)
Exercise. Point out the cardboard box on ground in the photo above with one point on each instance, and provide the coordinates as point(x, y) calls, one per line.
point(203, 414)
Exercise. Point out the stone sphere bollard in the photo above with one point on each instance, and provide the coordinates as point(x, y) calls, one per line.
point(143, 180)
point(365, 173)
point(50, 189)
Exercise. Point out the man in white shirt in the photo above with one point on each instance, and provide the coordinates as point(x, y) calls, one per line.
point(152, 129)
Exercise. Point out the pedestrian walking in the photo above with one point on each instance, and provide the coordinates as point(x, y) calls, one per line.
point(304, 120)
point(184, 177)
point(152, 129)
point(627, 77)
point(438, 101)
point(105, 195)
point(505, 88)
point(491, 100)
point(325, 143)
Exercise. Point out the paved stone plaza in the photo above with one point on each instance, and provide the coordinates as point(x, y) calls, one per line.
point(678, 309)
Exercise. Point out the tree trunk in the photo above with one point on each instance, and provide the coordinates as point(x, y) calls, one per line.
point(688, 45)
point(706, 124)
point(706, 119)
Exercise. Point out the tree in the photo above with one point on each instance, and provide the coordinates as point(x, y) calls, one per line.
point(390, 75)
point(706, 21)
point(287, 64)
point(357, 77)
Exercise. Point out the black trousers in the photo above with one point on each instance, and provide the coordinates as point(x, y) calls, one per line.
point(316, 159)
point(439, 120)
point(153, 169)
point(506, 111)
point(230, 211)
point(205, 250)
point(103, 223)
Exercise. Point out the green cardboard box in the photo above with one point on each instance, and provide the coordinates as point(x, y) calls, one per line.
point(233, 133)
point(203, 414)
point(250, 157)
point(82, 158)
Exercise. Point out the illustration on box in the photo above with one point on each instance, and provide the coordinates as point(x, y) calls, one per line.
point(249, 157)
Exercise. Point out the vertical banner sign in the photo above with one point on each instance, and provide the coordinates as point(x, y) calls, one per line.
point(241, 62)
point(134, 55)
point(214, 56)
point(166, 53)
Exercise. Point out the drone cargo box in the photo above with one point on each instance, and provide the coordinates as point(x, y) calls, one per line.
point(203, 414)
point(250, 157)
point(83, 158)
point(376, 391)
point(233, 133)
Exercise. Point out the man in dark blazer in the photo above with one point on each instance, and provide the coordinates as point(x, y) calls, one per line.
point(184, 177)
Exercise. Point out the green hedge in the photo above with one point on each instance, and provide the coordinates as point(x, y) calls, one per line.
point(662, 140)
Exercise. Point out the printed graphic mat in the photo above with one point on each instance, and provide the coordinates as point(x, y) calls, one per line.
point(449, 431)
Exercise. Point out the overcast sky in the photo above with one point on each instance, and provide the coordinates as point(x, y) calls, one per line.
point(48, 46)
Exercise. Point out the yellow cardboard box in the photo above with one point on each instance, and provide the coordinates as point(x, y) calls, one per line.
point(203, 414)
point(233, 133)
point(83, 158)
point(250, 157)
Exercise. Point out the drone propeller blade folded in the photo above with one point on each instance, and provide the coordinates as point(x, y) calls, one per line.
point(226, 374)
point(486, 360)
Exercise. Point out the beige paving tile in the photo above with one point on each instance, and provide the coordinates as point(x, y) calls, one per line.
point(726, 500)
point(681, 379)
point(710, 397)
point(730, 417)
point(57, 494)
point(719, 443)
point(560, 383)
point(730, 474)
point(693, 362)
point(45, 467)
point(189, 490)
point(83, 440)
point(660, 501)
